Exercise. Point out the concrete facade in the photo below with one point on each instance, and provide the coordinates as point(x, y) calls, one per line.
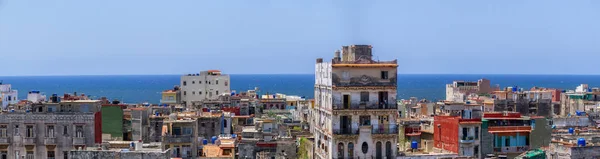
point(8, 95)
point(458, 91)
point(204, 85)
point(46, 135)
point(355, 100)
point(120, 154)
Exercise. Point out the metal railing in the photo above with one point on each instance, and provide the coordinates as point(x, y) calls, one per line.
point(384, 129)
point(79, 141)
point(348, 131)
point(178, 138)
point(363, 106)
point(511, 149)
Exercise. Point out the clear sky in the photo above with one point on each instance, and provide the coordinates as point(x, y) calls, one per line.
point(108, 37)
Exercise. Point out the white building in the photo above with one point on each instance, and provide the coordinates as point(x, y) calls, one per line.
point(458, 91)
point(204, 85)
point(8, 95)
point(355, 106)
point(36, 97)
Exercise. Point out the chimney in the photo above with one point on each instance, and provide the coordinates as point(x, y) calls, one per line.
point(337, 57)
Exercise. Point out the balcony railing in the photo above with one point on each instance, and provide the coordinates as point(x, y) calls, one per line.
point(348, 131)
point(4, 140)
point(511, 149)
point(78, 140)
point(178, 138)
point(467, 139)
point(168, 101)
point(384, 129)
point(49, 141)
point(29, 140)
point(365, 106)
point(509, 128)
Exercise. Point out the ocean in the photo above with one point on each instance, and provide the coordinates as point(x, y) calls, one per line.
point(147, 88)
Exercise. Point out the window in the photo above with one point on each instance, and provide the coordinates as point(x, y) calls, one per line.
point(464, 133)
point(193, 82)
point(29, 155)
point(184, 83)
point(79, 131)
point(225, 123)
point(203, 125)
point(199, 92)
point(217, 92)
point(193, 93)
point(208, 82)
point(50, 131)
point(476, 133)
point(364, 97)
point(365, 147)
point(384, 75)
point(365, 120)
point(184, 93)
point(217, 82)
point(16, 130)
point(199, 82)
point(65, 154)
point(29, 130)
point(65, 130)
point(50, 155)
point(226, 83)
point(3, 131)
point(476, 151)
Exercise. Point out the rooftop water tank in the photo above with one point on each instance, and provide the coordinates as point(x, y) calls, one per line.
point(414, 145)
point(213, 140)
point(204, 142)
point(581, 142)
point(571, 131)
point(233, 136)
point(514, 89)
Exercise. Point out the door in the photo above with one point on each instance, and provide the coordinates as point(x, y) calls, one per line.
point(383, 97)
point(378, 149)
point(346, 101)
point(345, 121)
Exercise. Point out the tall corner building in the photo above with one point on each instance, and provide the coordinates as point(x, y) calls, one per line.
point(355, 104)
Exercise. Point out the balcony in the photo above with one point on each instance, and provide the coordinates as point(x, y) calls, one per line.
point(391, 129)
point(4, 141)
point(467, 139)
point(29, 141)
point(365, 106)
point(503, 129)
point(178, 139)
point(511, 149)
point(78, 140)
point(50, 141)
point(168, 101)
point(345, 131)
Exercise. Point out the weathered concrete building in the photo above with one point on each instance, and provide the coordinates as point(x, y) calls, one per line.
point(458, 91)
point(534, 102)
point(355, 96)
point(204, 85)
point(47, 135)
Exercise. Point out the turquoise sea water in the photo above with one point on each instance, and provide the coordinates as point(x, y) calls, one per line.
point(147, 88)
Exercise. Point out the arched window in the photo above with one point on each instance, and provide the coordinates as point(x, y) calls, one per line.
point(378, 150)
point(388, 149)
point(365, 147)
point(340, 150)
point(350, 150)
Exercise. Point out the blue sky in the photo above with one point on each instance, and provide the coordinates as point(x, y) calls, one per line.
point(116, 37)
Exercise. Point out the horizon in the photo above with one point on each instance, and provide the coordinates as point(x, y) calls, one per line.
point(297, 74)
point(249, 37)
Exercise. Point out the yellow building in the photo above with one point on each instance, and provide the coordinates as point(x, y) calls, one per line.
point(170, 97)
